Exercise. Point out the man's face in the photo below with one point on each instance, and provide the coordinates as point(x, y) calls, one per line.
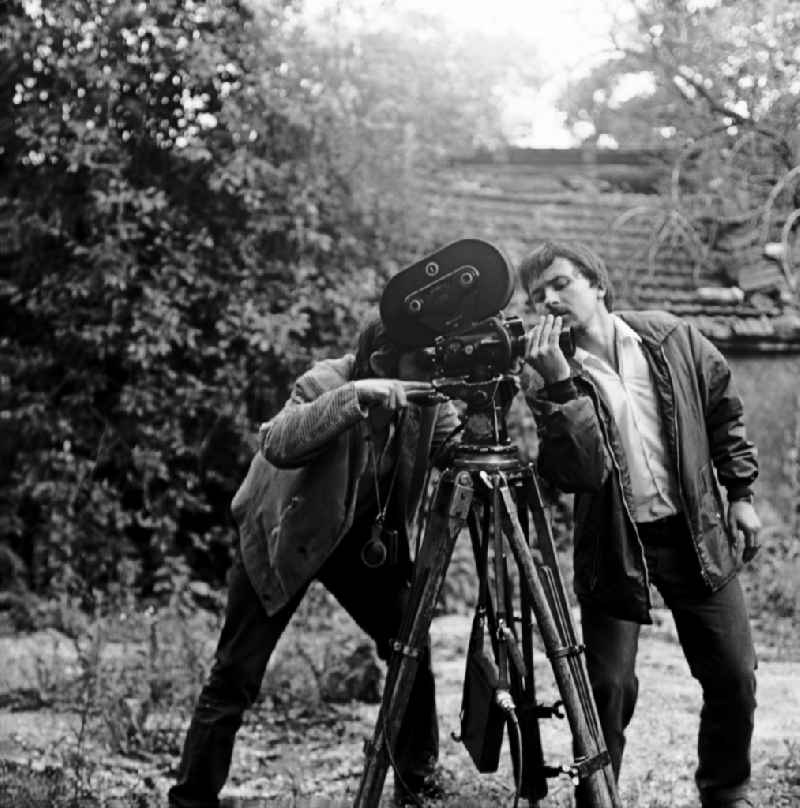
point(563, 290)
point(414, 366)
point(411, 366)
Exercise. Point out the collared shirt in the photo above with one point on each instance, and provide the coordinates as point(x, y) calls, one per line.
point(631, 399)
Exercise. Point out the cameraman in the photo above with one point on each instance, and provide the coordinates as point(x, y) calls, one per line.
point(638, 424)
point(335, 457)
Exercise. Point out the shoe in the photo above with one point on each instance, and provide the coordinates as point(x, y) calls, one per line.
point(417, 789)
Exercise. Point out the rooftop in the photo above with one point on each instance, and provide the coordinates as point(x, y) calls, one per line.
point(739, 296)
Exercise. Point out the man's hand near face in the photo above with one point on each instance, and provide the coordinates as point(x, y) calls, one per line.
point(544, 354)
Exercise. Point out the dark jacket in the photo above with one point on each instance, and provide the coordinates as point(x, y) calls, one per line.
point(298, 499)
point(580, 451)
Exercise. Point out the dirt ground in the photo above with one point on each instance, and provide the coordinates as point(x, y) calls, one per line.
point(299, 755)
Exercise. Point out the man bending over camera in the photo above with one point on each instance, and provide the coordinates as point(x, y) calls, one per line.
point(330, 497)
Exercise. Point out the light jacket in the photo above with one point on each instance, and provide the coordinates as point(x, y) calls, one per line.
point(298, 499)
point(580, 451)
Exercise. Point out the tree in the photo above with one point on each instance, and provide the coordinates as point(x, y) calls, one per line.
point(163, 194)
point(704, 63)
point(407, 93)
point(713, 83)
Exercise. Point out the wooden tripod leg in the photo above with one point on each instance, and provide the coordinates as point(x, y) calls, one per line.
point(554, 585)
point(534, 781)
point(448, 515)
point(593, 764)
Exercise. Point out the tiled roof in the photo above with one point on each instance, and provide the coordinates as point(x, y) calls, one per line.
point(516, 206)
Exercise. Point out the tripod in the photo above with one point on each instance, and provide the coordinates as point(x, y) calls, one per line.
point(491, 491)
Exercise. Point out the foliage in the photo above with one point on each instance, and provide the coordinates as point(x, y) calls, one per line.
point(683, 68)
point(126, 680)
point(191, 209)
point(432, 93)
point(323, 658)
point(134, 700)
point(772, 587)
point(714, 86)
point(23, 786)
point(151, 282)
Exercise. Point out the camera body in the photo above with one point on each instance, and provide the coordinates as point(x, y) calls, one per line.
point(447, 292)
point(449, 305)
point(489, 348)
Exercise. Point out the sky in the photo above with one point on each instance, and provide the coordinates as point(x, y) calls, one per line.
point(568, 35)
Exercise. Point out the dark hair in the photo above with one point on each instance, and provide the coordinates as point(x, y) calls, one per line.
point(586, 260)
point(372, 339)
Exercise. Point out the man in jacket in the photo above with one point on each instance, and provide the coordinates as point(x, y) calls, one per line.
point(641, 424)
point(336, 471)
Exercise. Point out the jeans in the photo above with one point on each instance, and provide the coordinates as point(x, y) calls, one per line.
point(714, 633)
point(374, 598)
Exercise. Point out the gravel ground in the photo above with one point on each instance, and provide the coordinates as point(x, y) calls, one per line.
point(304, 755)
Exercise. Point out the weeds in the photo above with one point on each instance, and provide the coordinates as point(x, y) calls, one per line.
point(128, 678)
point(40, 786)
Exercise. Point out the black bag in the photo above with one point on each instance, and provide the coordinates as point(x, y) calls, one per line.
point(482, 720)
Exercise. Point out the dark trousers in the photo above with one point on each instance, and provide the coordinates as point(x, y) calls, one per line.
point(714, 633)
point(374, 597)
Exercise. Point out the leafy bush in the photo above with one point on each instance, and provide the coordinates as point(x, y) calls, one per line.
point(165, 193)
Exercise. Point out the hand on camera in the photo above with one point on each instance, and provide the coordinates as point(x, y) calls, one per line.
point(544, 354)
point(391, 394)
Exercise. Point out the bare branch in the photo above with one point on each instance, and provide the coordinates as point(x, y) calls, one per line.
point(692, 148)
point(715, 105)
point(787, 263)
point(665, 47)
point(779, 187)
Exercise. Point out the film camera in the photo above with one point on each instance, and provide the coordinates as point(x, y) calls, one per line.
point(449, 305)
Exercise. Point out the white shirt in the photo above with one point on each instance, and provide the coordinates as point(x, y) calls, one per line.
point(631, 399)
